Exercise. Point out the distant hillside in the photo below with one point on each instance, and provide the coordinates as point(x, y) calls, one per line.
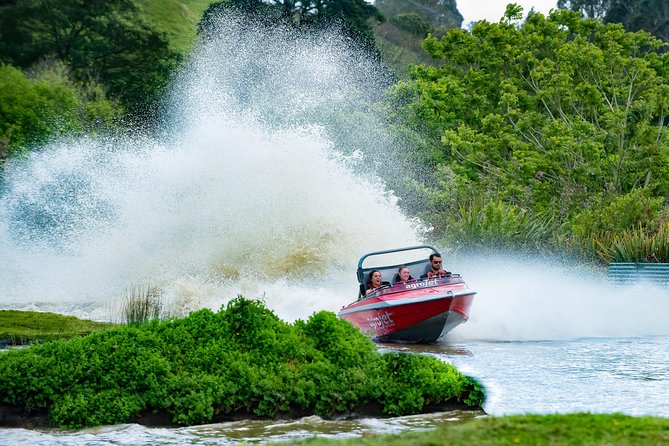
point(439, 13)
point(178, 18)
point(408, 22)
point(400, 48)
point(399, 39)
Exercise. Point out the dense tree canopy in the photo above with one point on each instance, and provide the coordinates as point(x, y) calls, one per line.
point(351, 15)
point(34, 110)
point(558, 116)
point(105, 41)
point(635, 15)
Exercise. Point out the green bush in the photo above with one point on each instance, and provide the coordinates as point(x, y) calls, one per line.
point(414, 381)
point(242, 359)
point(34, 110)
point(618, 214)
point(621, 227)
point(635, 245)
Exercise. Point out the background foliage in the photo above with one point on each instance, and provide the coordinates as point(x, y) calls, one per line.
point(557, 118)
point(351, 16)
point(47, 105)
point(634, 15)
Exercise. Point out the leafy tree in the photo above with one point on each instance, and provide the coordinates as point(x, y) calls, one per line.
point(351, 15)
point(593, 9)
point(34, 110)
point(635, 15)
point(548, 115)
point(105, 41)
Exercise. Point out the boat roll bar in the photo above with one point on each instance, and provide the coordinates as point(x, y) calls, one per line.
point(360, 272)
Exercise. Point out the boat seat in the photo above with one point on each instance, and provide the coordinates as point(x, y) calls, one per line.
point(363, 290)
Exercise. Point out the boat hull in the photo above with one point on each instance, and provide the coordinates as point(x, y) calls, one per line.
point(418, 312)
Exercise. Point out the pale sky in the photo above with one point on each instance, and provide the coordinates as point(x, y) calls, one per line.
point(493, 10)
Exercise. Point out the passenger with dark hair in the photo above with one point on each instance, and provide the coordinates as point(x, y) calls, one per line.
point(404, 275)
point(436, 269)
point(375, 281)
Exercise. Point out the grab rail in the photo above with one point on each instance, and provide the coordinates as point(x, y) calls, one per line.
point(361, 279)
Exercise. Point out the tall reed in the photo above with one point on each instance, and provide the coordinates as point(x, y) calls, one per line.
point(142, 304)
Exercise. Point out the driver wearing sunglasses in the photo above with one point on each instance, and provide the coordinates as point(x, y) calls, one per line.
point(436, 269)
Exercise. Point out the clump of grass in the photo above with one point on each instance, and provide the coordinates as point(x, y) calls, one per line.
point(142, 304)
point(486, 224)
point(635, 245)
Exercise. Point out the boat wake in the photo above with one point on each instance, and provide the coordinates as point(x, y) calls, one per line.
point(529, 299)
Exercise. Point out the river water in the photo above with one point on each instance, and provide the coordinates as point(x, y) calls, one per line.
point(537, 345)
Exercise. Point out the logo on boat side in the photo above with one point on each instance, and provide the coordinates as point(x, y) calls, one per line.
point(381, 321)
point(423, 284)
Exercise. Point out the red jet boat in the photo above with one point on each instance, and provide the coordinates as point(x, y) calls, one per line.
point(416, 311)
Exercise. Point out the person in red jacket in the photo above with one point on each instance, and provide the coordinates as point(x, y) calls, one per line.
point(436, 269)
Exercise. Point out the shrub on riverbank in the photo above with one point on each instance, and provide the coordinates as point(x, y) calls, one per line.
point(241, 361)
point(555, 430)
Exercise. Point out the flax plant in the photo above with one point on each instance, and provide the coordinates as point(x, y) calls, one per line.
point(499, 224)
point(635, 245)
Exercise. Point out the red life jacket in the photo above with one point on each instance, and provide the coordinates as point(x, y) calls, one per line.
point(440, 273)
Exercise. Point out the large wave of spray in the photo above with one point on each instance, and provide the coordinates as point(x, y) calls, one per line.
point(257, 186)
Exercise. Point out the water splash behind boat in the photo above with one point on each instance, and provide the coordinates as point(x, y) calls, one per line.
point(257, 185)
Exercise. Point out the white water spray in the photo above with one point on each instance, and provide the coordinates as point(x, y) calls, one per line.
point(251, 189)
point(530, 299)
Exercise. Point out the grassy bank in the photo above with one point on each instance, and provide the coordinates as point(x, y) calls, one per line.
point(178, 19)
point(241, 362)
point(23, 327)
point(554, 430)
